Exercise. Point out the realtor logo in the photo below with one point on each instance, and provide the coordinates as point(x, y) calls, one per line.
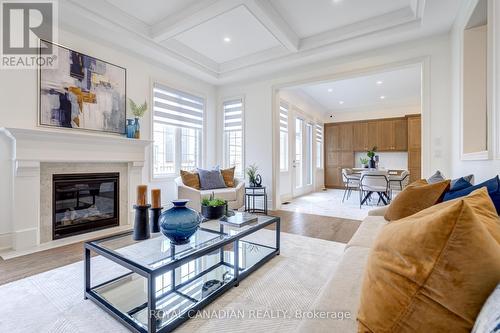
point(24, 25)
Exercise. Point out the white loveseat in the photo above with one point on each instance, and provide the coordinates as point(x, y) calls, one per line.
point(233, 195)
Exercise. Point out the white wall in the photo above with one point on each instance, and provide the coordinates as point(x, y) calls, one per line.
point(483, 169)
point(373, 113)
point(18, 94)
point(388, 160)
point(259, 98)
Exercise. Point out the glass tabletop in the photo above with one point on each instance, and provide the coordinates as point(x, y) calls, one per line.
point(157, 251)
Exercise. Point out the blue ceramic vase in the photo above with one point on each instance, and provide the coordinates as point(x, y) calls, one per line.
point(130, 129)
point(179, 222)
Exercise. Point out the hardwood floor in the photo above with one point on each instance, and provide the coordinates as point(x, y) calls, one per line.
point(323, 227)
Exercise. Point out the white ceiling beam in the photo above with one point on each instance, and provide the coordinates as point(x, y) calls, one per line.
point(264, 11)
point(190, 17)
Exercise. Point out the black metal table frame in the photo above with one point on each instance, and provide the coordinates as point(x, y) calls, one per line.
point(250, 198)
point(150, 275)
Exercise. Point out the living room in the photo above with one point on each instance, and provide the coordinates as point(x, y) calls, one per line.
point(150, 121)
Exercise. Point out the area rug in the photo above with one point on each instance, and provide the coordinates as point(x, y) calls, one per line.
point(267, 301)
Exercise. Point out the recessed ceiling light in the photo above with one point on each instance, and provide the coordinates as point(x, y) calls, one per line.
point(341, 102)
point(330, 90)
point(379, 83)
point(337, 1)
point(382, 97)
point(227, 39)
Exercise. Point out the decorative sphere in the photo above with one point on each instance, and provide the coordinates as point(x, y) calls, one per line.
point(179, 223)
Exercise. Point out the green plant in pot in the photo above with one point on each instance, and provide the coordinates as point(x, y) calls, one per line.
point(371, 155)
point(252, 174)
point(364, 162)
point(213, 208)
point(138, 111)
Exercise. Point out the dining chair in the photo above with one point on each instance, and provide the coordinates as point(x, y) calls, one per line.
point(351, 182)
point(399, 182)
point(376, 181)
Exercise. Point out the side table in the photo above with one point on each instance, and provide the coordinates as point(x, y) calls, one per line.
point(255, 192)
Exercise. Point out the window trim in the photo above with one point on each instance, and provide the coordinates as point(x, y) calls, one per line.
point(150, 158)
point(223, 133)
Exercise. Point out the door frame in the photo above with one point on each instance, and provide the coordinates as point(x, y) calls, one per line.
point(423, 61)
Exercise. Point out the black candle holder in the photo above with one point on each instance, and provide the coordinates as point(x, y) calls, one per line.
point(141, 222)
point(155, 219)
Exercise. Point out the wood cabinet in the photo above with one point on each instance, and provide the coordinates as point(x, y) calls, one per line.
point(346, 137)
point(392, 135)
point(343, 140)
point(340, 154)
point(414, 147)
point(360, 136)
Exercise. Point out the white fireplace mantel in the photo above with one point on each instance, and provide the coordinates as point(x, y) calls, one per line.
point(31, 147)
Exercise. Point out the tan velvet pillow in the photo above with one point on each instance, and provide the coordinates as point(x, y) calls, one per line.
point(228, 175)
point(191, 179)
point(432, 271)
point(417, 196)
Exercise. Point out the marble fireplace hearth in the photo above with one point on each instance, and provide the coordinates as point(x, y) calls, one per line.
point(37, 154)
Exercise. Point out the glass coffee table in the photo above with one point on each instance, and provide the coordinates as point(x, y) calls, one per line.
point(154, 286)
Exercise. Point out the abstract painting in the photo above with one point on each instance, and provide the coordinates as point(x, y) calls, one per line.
point(82, 92)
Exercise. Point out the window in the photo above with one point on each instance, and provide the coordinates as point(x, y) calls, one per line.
point(319, 146)
point(283, 136)
point(177, 130)
point(233, 135)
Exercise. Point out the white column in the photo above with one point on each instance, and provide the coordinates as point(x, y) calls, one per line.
point(134, 179)
point(26, 208)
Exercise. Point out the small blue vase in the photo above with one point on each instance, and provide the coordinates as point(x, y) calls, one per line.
point(130, 129)
point(179, 222)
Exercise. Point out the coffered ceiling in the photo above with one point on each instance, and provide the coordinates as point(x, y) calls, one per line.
point(224, 40)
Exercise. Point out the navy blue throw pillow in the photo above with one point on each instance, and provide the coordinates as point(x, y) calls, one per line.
point(459, 184)
point(491, 184)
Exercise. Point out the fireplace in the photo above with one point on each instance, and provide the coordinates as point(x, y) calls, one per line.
point(84, 202)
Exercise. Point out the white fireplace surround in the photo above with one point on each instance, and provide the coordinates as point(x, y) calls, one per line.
point(28, 150)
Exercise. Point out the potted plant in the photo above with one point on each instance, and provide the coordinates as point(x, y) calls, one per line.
point(138, 111)
point(252, 174)
point(213, 208)
point(371, 155)
point(364, 162)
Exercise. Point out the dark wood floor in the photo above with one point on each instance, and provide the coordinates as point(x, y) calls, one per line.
point(323, 227)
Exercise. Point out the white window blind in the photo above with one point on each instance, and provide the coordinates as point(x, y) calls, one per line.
point(177, 130)
point(233, 134)
point(233, 115)
point(283, 116)
point(177, 108)
point(283, 136)
point(319, 134)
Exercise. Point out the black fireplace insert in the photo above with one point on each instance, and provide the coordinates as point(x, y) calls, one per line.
point(84, 202)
